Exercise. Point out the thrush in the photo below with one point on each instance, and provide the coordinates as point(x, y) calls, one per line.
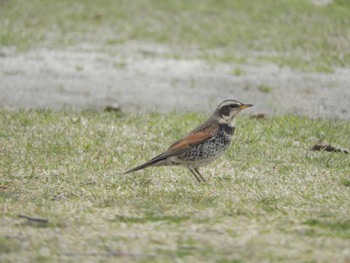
point(204, 144)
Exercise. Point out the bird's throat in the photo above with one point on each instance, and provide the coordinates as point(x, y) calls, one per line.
point(227, 129)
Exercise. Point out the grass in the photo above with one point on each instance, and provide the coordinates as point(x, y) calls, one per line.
point(268, 199)
point(264, 88)
point(295, 34)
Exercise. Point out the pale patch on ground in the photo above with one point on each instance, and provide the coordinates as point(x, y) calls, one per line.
point(142, 77)
point(321, 2)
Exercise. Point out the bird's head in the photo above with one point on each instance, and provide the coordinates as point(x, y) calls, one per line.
point(228, 109)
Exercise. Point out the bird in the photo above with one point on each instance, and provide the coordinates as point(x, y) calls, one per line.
point(204, 144)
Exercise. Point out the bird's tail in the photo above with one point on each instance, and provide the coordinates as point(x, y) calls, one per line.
point(158, 160)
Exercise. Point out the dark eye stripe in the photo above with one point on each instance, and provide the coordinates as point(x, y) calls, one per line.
point(225, 110)
point(234, 106)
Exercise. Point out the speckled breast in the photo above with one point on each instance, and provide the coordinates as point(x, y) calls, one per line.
point(208, 151)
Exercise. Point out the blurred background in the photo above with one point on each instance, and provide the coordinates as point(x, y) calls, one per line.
point(283, 56)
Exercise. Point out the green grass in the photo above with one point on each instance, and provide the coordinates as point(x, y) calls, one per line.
point(268, 199)
point(293, 33)
point(264, 88)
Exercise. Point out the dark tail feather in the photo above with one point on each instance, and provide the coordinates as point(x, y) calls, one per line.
point(149, 163)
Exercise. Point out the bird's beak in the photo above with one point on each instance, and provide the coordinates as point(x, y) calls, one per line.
point(243, 106)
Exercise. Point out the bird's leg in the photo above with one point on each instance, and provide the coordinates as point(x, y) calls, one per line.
point(197, 171)
point(195, 174)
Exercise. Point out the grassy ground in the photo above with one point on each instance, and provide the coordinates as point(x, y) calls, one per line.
point(293, 33)
point(268, 199)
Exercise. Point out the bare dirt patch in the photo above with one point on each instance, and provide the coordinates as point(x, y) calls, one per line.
point(141, 77)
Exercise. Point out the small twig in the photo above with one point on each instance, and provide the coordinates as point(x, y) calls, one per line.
point(35, 219)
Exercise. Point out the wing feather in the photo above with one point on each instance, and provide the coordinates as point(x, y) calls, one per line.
point(192, 139)
point(201, 134)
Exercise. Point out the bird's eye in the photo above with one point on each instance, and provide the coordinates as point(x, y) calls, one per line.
point(232, 106)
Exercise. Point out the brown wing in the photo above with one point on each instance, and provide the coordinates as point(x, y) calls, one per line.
point(192, 139)
point(201, 134)
point(180, 146)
